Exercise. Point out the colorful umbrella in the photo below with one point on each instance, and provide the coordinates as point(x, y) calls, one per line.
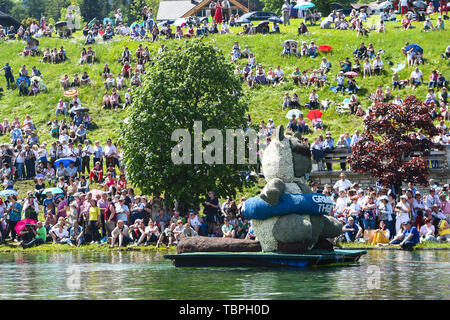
point(22, 224)
point(20, 79)
point(351, 74)
point(65, 162)
point(8, 192)
point(52, 190)
point(70, 93)
point(314, 114)
point(292, 112)
point(304, 5)
point(95, 193)
point(91, 23)
point(415, 47)
point(325, 48)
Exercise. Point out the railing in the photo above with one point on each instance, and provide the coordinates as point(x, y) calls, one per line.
point(437, 159)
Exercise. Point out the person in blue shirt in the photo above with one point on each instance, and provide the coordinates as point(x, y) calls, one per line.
point(352, 231)
point(340, 82)
point(16, 134)
point(8, 74)
point(46, 202)
point(409, 238)
point(78, 119)
point(328, 146)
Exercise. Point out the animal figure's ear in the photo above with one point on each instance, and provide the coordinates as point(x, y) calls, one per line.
point(298, 135)
point(280, 133)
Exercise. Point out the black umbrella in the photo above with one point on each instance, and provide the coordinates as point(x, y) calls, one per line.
point(275, 19)
point(336, 6)
point(60, 24)
point(32, 41)
point(420, 4)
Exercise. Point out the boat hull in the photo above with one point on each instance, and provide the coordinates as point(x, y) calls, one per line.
point(263, 259)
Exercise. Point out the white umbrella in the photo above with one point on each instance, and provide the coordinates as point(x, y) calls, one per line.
point(179, 22)
point(292, 112)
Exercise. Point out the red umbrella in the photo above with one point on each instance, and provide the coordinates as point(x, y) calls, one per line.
point(325, 48)
point(314, 114)
point(22, 223)
point(351, 74)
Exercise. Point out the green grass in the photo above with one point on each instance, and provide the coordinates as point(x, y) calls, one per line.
point(47, 247)
point(264, 101)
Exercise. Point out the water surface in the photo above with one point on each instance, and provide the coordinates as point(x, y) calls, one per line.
point(143, 275)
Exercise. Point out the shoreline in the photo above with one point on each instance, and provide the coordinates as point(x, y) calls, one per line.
point(58, 248)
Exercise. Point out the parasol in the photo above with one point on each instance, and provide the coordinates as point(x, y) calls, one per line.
point(275, 19)
point(415, 47)
point(95, 193)
point(290, 41)
point(325, 48)
point(304, 5)
point(384, 5)
point(52, 190)
point(314, 114)
point(336, 6)
point(293, 112)
point(22, 224)
point(108, 20)
point(60, 24)
point(65, 162)
point(351, 74)
point(70, 93)
point(91, 23)
point(22, 78)
point(420, 4)
point(8, 192)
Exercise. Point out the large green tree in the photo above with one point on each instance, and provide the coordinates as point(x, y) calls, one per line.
point(94, 9)
point(194, 83)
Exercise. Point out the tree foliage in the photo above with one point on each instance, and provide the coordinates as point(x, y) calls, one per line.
point(94, 9)
point(386, 149)
point(194, 83)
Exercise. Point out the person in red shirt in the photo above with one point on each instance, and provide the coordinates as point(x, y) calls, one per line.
point(126, 70)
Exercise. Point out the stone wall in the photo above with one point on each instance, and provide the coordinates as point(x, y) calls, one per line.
point(440, 176)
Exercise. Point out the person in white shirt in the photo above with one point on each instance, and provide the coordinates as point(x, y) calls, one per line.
point(416, 78)
point(341, 204)
point(279, 75)
point(397, 101)
point(342, 184)
point(325, 65)
point(377, 65)
point(355, 138)
point(86, 154)
point(427, 24)
point(111, 154)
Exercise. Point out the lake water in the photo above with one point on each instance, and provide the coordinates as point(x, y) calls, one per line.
point(138, 275)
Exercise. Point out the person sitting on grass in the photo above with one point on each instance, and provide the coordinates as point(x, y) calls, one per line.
point(427, 231)
point(65, 81)
point(352, 231)
point(40, 236)
point(168, 234)
point(416, 78)
point(76, 81)
point(90, 57)
point(377, 65)
point(408, 238)
point(106, 101)
point(135, 80)
point(120, 235)
point(85, 78)
point(76, 234)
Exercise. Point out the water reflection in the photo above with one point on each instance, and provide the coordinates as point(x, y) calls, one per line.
point(138, 275)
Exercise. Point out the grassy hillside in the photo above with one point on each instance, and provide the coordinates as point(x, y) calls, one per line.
point(264, 102)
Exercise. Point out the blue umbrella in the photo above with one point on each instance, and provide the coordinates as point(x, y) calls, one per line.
point(105, 20)
point(8, 192)
point(304, 5)
point(65, 162)
point(52, 190)
point(415, 47)
point(137, 25)
point(20, 79)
